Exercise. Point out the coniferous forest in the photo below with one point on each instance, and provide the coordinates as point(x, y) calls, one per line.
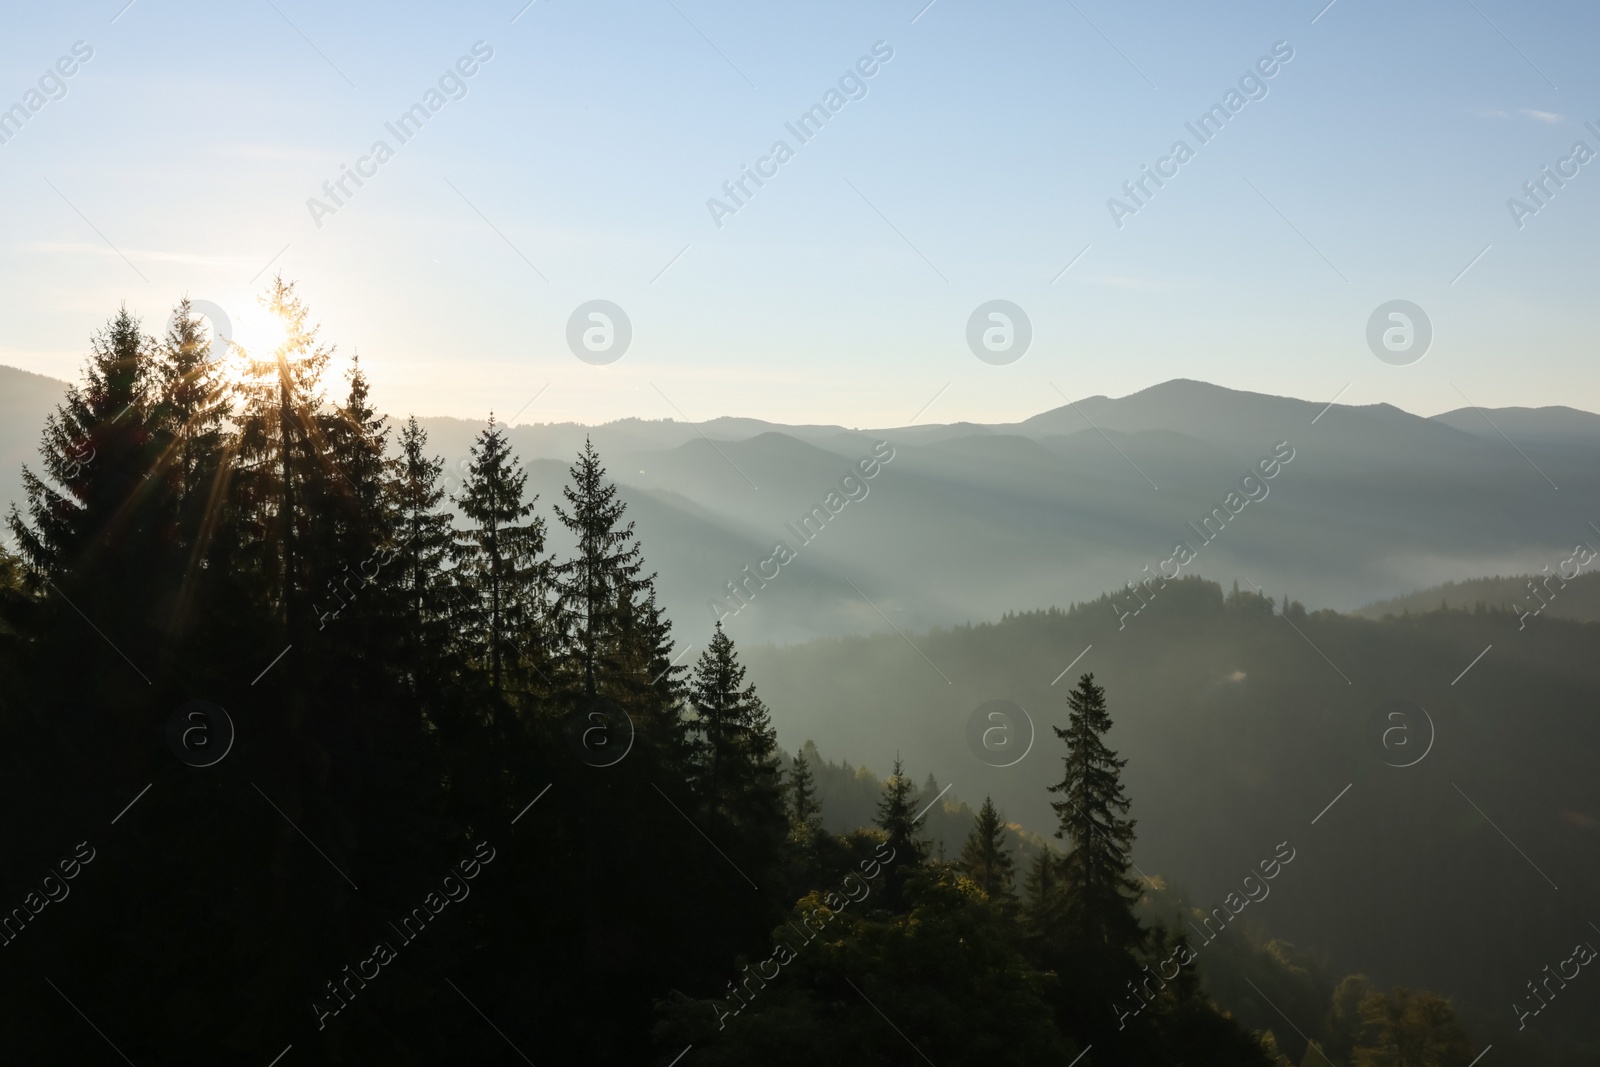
point(307, 756)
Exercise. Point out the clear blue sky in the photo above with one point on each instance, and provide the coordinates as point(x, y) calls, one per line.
point(593, 137)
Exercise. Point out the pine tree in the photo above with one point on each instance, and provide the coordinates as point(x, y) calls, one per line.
point(356, 537)
point(615, 640)
point(898, 822)
point(357, 439)
point(1099, 894)
point(190, 417)
point(95, 507)
point(733, 744)
point(424, 539)
point(986, 856)
point(191, 412)
point(95, 448)
point(498, 567)
point(282, 489)
point(805, 807)
point(644, 678)
point(593, 587)
point(1041, 903)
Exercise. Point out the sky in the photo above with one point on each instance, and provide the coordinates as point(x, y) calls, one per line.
point(977, 162)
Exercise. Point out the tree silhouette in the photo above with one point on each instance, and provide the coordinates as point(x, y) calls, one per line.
point(805, 809)
point(986, 856)
point(1099, 895)
point(733, 743)
point(898, 822)
point(498, 568)
point(595, 586)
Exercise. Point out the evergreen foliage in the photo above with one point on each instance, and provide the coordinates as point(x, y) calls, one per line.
point(985, 856)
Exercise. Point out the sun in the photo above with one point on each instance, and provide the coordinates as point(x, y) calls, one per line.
point(253, 337)
point(259, 334)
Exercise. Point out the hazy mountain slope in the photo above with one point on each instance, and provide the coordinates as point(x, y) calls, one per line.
point(1537, 595)
point(970, 527)
point(25, 400)
point(1547, 423)
point(970, 521)
point(1239, 732)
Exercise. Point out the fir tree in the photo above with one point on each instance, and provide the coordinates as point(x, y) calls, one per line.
point(357, 439)
point(733, 743)
point(593, 587)
point(96, 452)
point(645, 679)
point(356, 538)
point(425, 537)
point(190, 418)
point(1041, 902)
point(498, 565)
point(806, 809)
point(1099, 894)
point(898, 822)
point(615, 640)
point(195, 448)
point(282, 485)
point(95, 507)
point(986, 856)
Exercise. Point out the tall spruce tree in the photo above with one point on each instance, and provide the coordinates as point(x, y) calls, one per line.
point(357, 439)
point(424, 540)
point(986, 855)
point(897, 819)
point(498, 566)
point(1041, 900)
point(356, 538)
point(282, 487)
point(805, 808)
point(190, 417)
point(646, 679)
point(95, 507)
point(603, 578)
point(96, 450)
point(1099, 893)
point(734, 746)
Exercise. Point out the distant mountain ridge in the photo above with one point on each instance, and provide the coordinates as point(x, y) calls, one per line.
point(1533, 595)
point(974, 520)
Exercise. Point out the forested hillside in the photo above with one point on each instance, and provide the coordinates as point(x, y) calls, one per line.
point(1242, 722)
point(303, 759)
point(1561, 593)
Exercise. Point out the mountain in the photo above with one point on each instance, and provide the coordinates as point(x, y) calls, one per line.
point(1549, 424)
point(969, 521)
point(25, 401)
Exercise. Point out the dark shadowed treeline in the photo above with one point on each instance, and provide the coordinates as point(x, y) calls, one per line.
point(299, 751)
point(403, 682)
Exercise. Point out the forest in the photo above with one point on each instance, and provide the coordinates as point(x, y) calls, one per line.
point(348, 769)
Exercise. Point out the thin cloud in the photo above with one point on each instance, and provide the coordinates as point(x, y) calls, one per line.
point(1549, 118)
point(1116, 281)
point(189, 258)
